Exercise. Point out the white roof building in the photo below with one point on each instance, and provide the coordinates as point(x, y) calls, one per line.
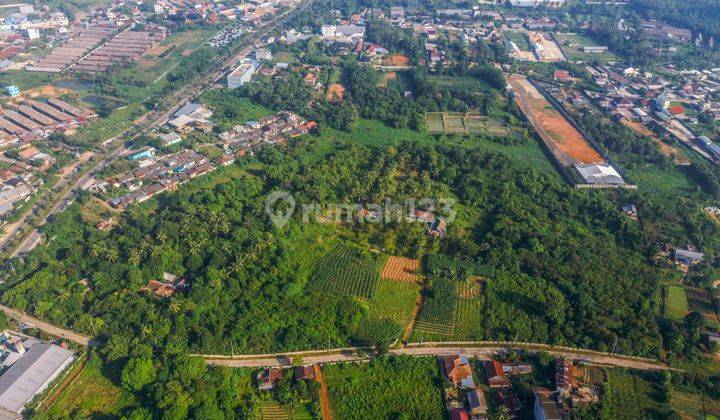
point(599, 173)
point(31, 374)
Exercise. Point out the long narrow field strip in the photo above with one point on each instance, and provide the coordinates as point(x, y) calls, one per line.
point(346, 271)
point(401, 269)
point(464, 123)
point(431, 328)
point(566, 143)
point(676, 304)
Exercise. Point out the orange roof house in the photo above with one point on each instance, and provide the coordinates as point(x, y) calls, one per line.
point(458, 370)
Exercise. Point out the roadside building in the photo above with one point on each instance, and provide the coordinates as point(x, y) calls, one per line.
point(545, 407)
point(31, 375)
point(242, 74)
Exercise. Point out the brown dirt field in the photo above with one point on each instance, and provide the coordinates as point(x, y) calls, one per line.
point(401, 269)
point(336, 91)
point(397, 60)
point(45, 91)
point(568, 145)
point(157, 50)
point(665, 149)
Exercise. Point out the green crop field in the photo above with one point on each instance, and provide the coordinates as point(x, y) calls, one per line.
point(346, 271)
point(386, 388)
point(634, 394)
point(92, 394)
point(394, 300)
point(437, 314)
point(469, 319)
point(676, 303)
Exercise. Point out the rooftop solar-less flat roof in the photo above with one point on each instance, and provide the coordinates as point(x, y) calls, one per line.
point(31, 374)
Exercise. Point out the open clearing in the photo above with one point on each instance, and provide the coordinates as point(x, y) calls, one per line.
point(336, 92)
point(667, 150)
point(700, 300)
point(572, 45)
point(676, 305)
point(566, 142)
point(546, 49)
point(401, 269)
point(464, 123)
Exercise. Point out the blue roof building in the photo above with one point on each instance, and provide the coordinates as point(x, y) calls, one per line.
point(13, 91)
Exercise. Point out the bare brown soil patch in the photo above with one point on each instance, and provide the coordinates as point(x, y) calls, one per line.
point(401, 269)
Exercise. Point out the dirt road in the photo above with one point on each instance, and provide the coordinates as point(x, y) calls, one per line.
point(480, 350)
point(44, 326)
point(324, 397)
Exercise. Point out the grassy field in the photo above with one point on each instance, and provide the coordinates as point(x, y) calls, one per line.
point(634, 395)
point(468, 123)
point(22, 79)
point(694, 406)
point(394, 300)
point(110, 126)
point(572, 45)
point(676, 303)
point(271, 410)
point(346, 271)
point(93, 394)
point(386, 388)
point(230, 110)
point(519, 39)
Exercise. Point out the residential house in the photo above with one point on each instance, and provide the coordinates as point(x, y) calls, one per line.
point(304, 373)
point(457, 370)
point(267, 379)
point(477, 404)
point(545, 407)
point(495, 375)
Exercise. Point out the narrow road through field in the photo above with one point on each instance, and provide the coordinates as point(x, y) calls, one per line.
point(44, 326)
point(324, 397)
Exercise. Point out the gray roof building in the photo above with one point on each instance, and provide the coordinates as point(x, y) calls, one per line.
point(31, 374)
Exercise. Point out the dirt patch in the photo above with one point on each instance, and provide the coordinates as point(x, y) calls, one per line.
point(665, 149)
point(401, 269)
point(566, 142)
point(397, 60)
point(336, 92)
point(46, 91)
point(323, 393)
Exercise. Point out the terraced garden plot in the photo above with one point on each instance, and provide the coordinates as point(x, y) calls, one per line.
point(346, 271)
point(270, 410)
point(699, 300)
point(401, 269)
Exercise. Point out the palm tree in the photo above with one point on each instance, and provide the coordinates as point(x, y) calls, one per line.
point(112, 255)
point(174, 306)
point(135, 257)
point(95, 250)
point(64, 296)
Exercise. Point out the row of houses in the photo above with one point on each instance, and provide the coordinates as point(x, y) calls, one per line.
point(271, 130)
point(164, 173)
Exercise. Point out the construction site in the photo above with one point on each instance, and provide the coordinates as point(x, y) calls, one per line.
point(567, 144)
point(545, 47)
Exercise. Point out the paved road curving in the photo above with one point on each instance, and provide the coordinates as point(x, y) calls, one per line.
point(434, 349)
point(48, 328)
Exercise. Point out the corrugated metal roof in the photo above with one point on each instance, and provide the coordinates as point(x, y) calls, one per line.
point(30, 375)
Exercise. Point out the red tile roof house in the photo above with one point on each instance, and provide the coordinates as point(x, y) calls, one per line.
point(457, 370)
point(564, 376)
point(268, 378)
point(495, 375)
